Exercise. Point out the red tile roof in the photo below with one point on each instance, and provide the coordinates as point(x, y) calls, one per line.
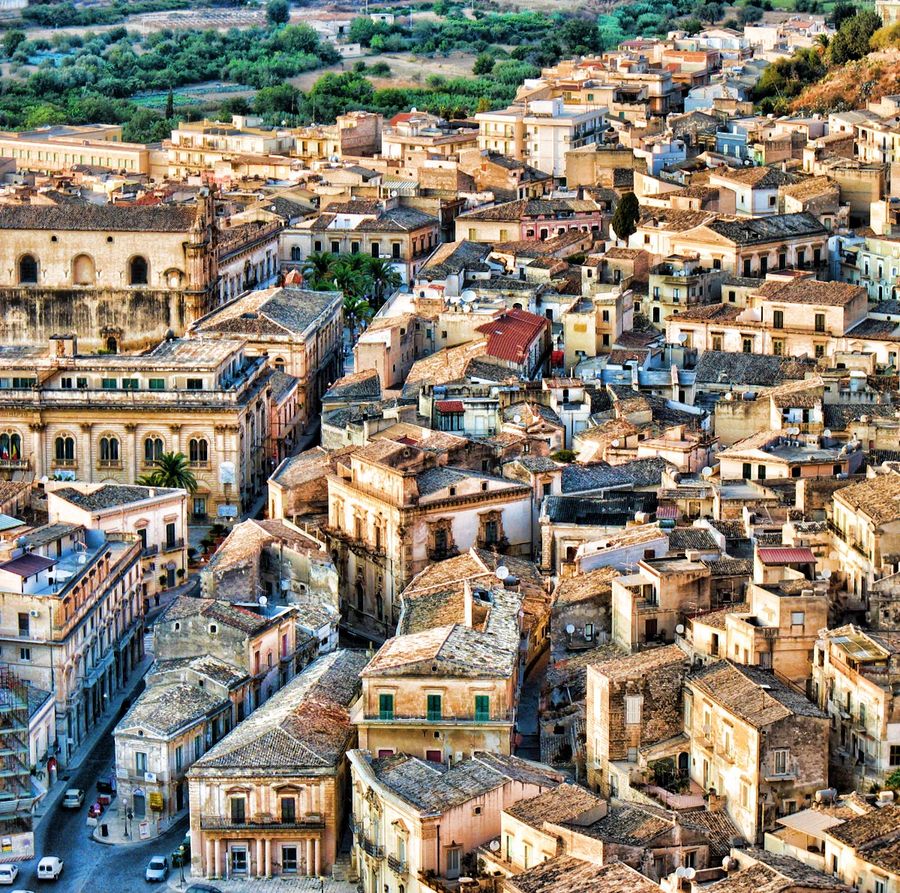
point(510, 336)
point(776, 555)
point(666, 513)
point(450, 406)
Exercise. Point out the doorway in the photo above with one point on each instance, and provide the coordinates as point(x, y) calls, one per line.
point(239, 860)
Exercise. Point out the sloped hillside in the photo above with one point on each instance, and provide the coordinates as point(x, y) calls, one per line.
point(853, 84)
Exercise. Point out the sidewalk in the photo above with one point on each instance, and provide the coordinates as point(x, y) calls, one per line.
point(84, 750)
point(266, 885)
point(115, 827)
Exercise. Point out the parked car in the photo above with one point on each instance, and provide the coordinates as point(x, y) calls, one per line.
point(49, 868)
point(74, 799)
point(8, 874)
point(157, 869)
point(202, 888)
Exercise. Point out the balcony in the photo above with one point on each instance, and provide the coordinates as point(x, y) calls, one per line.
point(439, 719)
point(14, 464)
point(173, 546)
point(265, 821)
point(375, 850)
point(149, 551)
point(397, 866)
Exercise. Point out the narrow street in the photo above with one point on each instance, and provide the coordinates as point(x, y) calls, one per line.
point(92, 866)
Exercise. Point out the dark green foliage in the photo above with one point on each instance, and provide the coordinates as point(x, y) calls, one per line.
point(278, 12)
point(484, 64)
point(852, 39)
point(785, 79)
point(626, 216)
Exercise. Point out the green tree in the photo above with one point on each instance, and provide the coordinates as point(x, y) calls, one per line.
point(316, 269)
point(170, 105)
point(362, 30)
point(841, 12)
point(357, 310)
point(12, 40)
point(852, 39)
point(171, 470)
point(580, 36)
point(626, 216)
point(384, 277)
point(297, 39)
point(484, 64)
point(278, 12)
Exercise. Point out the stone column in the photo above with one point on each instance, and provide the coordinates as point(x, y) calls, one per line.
point(85, 454)
point(217, 857)
point(38, 449)
point(309, 856)
point(207, 869)
point(260, 861)
point(268, 857)
point(316, 857)
point(135, 454)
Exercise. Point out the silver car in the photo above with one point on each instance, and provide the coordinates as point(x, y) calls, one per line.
point(158, 869)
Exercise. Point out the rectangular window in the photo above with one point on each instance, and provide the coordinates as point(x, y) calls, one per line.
point(778, 319)
point(179, 758)
point(288, 810)
point(25, 655)
point(109, 384)
point(778, 347)
point(433, 707)
point(24, 624)
point(895, 755)
point(81, 383)
point(385, 706)
point(66, 384)
point(820, 322)
point(195, 384)
point(781, 761)
point(482, 708)
point(140, 762)
point(170, 535)
point(797, 618)
point(198, 746)
point(157, 384)
point(238, 810)
point(129, 384)
point(633, 709)
point(747, 345)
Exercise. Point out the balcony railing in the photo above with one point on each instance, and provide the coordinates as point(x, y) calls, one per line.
point(13, 464)
point(172, 546)
point(149, 551)
point(314, 822)
point(444, 719)
point(398, 866)
point(375, 850)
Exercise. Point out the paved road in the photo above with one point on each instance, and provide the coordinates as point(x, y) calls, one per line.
point(90, 866)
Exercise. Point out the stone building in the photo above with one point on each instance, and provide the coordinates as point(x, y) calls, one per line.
point(393, 510)
point(299, 330)
point(450, 687)
point(72, 619)
point(632, 702)
point(862, 852)
point(269, 799)
point(107, 418)
point(414, 819)
point(755, 742)
point(157, 515)
point(856, 681)
point(122, 277)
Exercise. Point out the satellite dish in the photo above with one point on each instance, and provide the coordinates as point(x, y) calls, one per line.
point(679, 629)
point(570, 628)
point(707, 471)
point(826, 432)
point(826, 575)
point(263, 601)
point(502, 572)
point(517, 419)
point(689, 873)
point(793, 431)
point(468, 295)
point(494, 845)
point(413, 110)
point(679, 872)
point(335, 158)
point(615, 442)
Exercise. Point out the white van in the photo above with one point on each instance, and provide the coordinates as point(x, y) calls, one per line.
point(49, 868)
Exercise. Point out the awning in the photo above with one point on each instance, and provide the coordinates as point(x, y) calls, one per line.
point(779, 555)
point(445, 406)
point(813, 822)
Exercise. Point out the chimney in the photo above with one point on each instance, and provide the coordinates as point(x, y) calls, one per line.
point(468, 605)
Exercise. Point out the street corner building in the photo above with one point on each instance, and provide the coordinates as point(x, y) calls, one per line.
point(269, 798)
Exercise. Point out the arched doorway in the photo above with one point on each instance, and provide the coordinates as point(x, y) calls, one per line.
point(83, 272)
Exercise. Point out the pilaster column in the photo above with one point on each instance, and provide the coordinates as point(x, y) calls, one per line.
point(260, 858)
point(217, 858)
point(316, 857)
point(268, 857)
point(208, 870)
point(309, 856)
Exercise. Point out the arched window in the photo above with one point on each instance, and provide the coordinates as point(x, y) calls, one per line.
point(198, 451)
point(279, 364)
point(137, 271)
point(109, 450)
point(10, 446)
point(296, 252)
point(83, 272)
point(153, 449)
point(112, 346)
point(65, 448)
point(28, 269)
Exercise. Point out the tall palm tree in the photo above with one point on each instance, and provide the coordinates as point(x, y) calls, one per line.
point(384, 277)
point(349, 281)
point(356, 310)
point(170, 470)
point(316, 268)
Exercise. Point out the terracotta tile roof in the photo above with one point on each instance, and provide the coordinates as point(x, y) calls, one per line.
point(753, 695)
point(811, 291)
point(562, 804)
point(877, 498)
point(592, 584)
point(240, 619)
point(566, 874)
point(510, 336)
point(105, 218)
point(757, 177)
point(305, 725)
